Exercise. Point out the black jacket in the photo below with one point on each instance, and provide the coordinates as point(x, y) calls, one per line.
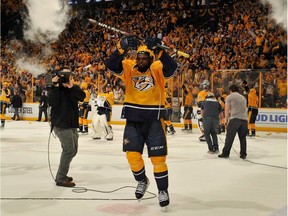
point(64, 106)
point(43, 102)
point(16, 101)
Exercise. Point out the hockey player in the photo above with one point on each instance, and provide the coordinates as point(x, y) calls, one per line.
point(4, 102)
point(144, 110)
point(84, 108)
point(188, 109)
point(167, 119)
point(252, 111)
point(200, 98)
point(101, 119)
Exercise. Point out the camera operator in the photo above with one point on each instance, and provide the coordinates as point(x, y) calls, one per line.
point(63, 99)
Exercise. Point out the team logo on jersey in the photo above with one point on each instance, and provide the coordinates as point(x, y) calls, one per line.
point(126, 141)
point(143, 83)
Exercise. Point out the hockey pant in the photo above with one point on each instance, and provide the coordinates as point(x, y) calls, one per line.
point(100, 127)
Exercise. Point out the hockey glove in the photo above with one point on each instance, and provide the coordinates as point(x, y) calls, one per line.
point(126, 42)
point(152, 42)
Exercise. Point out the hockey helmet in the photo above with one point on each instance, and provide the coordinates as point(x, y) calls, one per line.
point(205, 84)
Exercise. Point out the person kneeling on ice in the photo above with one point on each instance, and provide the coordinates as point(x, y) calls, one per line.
point(101, 119)
point(144, 109)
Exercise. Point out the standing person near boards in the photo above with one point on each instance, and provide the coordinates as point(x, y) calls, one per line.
point(211, 112)
point(17, 104)
point(43, 106)
point(236, 120)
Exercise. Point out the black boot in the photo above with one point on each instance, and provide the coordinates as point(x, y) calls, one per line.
point(253, 132)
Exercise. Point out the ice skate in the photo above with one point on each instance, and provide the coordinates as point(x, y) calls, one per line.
point(141, 188)
point(109, 133)
point(164, 200)
point(253, 133)
point(109, 136)
point(187, 130)
point(171, 132)
point(96, 136)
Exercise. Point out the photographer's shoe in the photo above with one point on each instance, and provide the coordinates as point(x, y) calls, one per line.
point(66, 184)
point(243, 157)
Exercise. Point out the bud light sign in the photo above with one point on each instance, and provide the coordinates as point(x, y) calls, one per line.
point(272, 118)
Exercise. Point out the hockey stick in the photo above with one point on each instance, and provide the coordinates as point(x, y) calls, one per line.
point(162, 46)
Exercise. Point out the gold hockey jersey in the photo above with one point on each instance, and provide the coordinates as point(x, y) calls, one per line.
point(108, 99)
point(201, 97)
point(5, 98)
point(252, 98)
point(144, 92)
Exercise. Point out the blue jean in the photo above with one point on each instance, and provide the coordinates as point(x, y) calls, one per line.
point(69, 143)
point(210, 125)
point(234, 126)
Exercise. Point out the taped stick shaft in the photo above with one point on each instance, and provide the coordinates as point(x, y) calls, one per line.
point(180, 53)
point(108, 27)
point(162, 46)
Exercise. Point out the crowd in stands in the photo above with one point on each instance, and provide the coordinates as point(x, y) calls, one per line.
point(235, 44)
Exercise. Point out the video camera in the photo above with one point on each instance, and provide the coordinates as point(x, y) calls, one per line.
point(63, 75)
